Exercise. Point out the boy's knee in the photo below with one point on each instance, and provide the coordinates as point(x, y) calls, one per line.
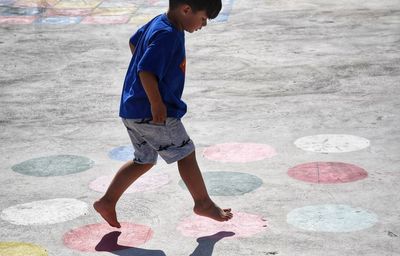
point(189, 158)
point(145, 165)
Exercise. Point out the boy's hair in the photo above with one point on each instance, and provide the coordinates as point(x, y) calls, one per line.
point(212, 7)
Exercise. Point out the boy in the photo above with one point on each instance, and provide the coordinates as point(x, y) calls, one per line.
point(151, 106)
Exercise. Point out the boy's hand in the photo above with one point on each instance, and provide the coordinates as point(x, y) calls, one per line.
point(150, 85)
point(159, 113)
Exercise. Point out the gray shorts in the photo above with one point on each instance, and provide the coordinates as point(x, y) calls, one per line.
point(169, 140)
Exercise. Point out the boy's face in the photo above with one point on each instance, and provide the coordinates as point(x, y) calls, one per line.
point(193, 21)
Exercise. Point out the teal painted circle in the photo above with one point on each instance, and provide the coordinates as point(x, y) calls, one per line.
point(229, 183)
point(57, 165)
point(331, 218)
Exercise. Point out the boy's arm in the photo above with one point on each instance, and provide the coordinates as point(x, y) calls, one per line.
point(150, 85)
point(132, 47)
point(153, 66)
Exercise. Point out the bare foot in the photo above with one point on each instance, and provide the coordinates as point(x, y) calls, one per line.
point(211, 210)
point(107, 211)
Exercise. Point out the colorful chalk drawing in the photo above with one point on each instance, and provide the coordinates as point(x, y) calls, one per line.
point(151, 180)
point(229, 183)
point(58, 20)
point(57, 165)
point(327, 172)
point(16, 11)
point(17, 20)
point(242, 224)
point(239, 152)
point(21, 249)
point(332, 143)
point(6, 2)
point(102, 237)
point(105, 20)
point(66, 12)
point(45, 212)
point(331, 218)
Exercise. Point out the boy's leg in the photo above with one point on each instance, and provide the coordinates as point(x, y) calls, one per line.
point(204, 206)
point(126, 175)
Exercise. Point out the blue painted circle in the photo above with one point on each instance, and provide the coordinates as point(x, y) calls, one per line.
point(58, 20)
point(331, 218)
point(229, 183)
point(57, 165)
point(123, 153)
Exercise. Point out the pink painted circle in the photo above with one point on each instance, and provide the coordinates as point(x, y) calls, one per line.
point(147, 182)
point(242, 225)
point(327, 172)
point(102, 237)
point(239, 152)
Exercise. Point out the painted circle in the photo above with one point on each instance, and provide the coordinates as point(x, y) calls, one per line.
point(229, 183)
point(332, 143)
point(239, 152)
point(21, 249)
point(57, 165)
point(242, 224)
point(147, 182)
point(331, 218)
point(327, 172)
point(45, 212)
point(102, 237)
point(123, 153)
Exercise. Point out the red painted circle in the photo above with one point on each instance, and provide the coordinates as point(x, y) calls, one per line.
point(242, 225)
point(239, 152)
point(102, 237)
point(327, 172)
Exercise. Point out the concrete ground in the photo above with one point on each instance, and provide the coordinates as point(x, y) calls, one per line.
point(271, 73)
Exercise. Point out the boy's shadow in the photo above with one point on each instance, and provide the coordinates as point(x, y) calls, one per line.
point(207, 243)
point(109, 243)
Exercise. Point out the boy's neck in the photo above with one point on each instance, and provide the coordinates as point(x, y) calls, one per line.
point(173, 17)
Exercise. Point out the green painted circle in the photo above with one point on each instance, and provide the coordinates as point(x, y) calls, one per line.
point(229, 183)
point(21, 249)
point(57, 165)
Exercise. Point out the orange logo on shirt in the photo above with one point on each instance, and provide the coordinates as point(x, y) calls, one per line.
point(183, 66)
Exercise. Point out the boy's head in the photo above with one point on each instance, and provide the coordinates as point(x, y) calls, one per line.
point(193, 14)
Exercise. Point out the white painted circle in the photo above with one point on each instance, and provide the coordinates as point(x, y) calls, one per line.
point(332, 143)
point(45, 212)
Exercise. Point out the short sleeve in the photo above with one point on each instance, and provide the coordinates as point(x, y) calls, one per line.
point(135, 37)
point(158, 54)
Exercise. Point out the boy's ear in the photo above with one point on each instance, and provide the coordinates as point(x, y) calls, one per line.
point(186, 9)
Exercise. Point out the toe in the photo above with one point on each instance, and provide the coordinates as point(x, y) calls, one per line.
point(227, 217)
point(116, 224)
point(227, 210)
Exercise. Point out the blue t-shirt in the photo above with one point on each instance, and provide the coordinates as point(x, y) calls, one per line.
point(159, 49)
